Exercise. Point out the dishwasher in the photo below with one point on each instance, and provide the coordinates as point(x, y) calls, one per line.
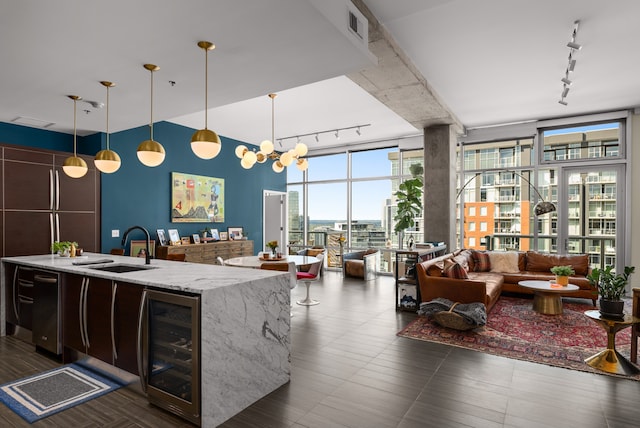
point(46, 313)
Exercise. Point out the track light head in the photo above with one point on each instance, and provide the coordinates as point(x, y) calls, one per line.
point(563, 102)
point(358, 131)
point(574, 45)
point(337, 134)
point(317, 138)
point(566, 81)
point(572, 64)
point(565, 91)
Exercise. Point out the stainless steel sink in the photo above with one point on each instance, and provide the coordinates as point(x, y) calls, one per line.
point(122, 268)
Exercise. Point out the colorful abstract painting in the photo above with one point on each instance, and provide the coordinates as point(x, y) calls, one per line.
point(196, 198)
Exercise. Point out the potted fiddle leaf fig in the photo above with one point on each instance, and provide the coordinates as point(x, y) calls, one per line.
point(562, 274)
point(611, 287)
point(409, 200)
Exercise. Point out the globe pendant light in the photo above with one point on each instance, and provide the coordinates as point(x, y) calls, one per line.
point(206, 143)
point(150, 152)
point(74, 166)
point(107, 161)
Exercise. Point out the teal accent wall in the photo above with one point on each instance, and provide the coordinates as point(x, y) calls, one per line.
point(38, 138)
point(139, 195)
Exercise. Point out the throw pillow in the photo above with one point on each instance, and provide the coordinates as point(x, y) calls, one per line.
point(454, 270)
point(504, 261)
point(434, 270)
point(481, 261)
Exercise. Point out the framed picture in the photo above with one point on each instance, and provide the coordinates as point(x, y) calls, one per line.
point(162, 238)
point(196, 238)
point(174, 237)
point(185, 240)
point(196, 198)
point(234, 233)
point(215, 234)
point(224, 236)
point(138, 248)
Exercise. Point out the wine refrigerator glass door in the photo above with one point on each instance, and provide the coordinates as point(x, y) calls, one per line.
point(171, 352)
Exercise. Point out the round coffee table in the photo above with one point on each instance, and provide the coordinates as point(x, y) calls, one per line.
point(546, 295)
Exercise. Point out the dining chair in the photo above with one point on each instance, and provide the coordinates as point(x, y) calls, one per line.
point(635, 329)
point(314, 274)
point(284, 267)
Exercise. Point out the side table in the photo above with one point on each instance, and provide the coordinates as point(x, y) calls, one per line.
point(610, 360)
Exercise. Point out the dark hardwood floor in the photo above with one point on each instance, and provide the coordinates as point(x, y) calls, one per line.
point(349, 369)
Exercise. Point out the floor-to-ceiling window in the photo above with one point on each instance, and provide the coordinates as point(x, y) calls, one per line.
point(579, 166)
point(350, 194)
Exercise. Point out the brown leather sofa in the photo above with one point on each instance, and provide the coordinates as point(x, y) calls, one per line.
point(486, 287)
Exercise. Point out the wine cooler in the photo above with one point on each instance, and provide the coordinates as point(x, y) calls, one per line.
point(169, 353)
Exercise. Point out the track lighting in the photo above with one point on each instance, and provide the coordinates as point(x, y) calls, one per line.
point(358, 131)
point(337, 134)
point(571, 64)
point(317, 139)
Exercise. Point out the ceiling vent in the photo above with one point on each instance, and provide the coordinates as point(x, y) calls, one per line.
point(29, 121)
point(355, 25)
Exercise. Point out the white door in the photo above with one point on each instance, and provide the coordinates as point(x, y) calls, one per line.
point(274, 219)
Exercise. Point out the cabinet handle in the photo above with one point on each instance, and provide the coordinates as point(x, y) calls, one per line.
point(142, 313)
point(50, 189)
point(113, 316)
point(86, 326)
point(51, 229)
point(58, 229)
point(15, 294)
point(57, 191)
point(80, 307)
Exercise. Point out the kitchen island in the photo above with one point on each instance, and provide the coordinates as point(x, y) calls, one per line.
point(244, 334)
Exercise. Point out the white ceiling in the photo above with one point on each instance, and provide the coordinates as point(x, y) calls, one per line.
point(490, 61)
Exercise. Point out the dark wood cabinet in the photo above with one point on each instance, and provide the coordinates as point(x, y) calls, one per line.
point(18, 297)
point(72, 314)
point(100, 319)
point(127, 299)
point(41, 204)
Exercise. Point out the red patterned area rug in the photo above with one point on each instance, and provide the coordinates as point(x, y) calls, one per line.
point(514, 330)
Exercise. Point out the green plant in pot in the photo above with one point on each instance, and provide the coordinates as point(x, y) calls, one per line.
point(562, 274)
point(611, 287)
point(62, 248)
point(409, 199)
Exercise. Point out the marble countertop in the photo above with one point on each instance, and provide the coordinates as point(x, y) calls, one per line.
point(188, 277)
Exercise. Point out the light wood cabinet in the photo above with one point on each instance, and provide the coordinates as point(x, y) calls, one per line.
point(209, 252)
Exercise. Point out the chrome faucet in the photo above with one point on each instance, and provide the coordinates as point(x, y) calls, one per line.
point(147, 257)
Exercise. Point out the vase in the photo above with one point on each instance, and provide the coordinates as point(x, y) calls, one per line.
point(612, 308)
point(562, 280)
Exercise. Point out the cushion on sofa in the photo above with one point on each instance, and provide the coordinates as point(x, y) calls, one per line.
point(465, 259)
point(454, 270)
point(540, 262)
point(481, 262)
point(504, 261)
point(435, 269)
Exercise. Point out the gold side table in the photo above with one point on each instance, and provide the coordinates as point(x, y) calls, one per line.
point(610, 360)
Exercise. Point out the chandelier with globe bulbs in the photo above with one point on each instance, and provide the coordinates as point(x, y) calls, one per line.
point(248, 158)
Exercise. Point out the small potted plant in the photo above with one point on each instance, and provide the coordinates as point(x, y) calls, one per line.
point(562, 274)
point(611, 287)
point(63, 248)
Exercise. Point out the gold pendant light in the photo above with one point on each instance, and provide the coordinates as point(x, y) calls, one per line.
point(206, 143)
point(74, 166)
point(150, 152)
point(107, 161)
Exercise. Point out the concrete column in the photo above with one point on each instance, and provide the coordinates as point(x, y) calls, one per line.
point(439, 184)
